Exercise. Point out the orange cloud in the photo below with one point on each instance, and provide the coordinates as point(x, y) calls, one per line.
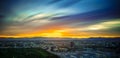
point(64, 34)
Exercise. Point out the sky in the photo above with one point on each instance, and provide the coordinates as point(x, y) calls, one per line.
point(60, 18)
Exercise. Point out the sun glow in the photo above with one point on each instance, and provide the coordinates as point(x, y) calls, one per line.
point(51, 34)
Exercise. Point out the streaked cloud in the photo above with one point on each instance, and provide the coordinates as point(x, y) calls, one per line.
point(59, 18)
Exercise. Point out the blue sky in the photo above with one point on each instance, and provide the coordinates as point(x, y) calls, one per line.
point(88, 16)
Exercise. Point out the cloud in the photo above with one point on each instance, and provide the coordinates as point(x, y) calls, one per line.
point(105, 25)
point(60, 17)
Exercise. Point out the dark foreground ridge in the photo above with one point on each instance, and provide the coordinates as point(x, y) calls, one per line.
point(25, 53)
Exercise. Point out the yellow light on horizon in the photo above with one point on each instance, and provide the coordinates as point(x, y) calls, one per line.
point(57, 33)
point(51, 35)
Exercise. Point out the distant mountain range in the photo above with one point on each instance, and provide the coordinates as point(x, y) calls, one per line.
point(46, 38)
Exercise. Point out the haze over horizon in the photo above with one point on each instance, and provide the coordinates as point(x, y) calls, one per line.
point(59, 18)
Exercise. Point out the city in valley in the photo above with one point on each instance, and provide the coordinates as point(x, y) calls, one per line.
point(68, 48)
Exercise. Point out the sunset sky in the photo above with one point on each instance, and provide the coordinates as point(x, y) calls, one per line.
point(60, 18)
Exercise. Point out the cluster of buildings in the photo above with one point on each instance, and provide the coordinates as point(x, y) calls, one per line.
point(70, 48)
